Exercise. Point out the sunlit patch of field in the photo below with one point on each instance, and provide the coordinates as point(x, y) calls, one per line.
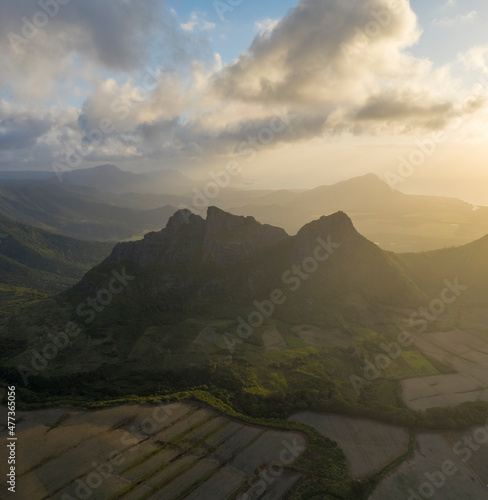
point(419, 364)
point(142, 452)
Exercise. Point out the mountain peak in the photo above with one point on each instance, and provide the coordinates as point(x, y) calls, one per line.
point(367, 181)
point(107, 167)
point(231, 237)
point(336, 222)
point(337, 227)
point(218, 219)
point(180, 218)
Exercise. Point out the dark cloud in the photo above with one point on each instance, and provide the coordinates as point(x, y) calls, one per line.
point(113, 32)
point(417, 110)
point(22, 132)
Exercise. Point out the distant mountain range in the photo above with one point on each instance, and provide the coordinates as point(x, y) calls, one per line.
point(107, 203)
point(76, 211)
point(109, 178)
point(394, 220)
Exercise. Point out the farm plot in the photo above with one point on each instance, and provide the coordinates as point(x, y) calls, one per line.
point(33, 450)
point(185, 425)
point(221, 485)
point(240, 439)
point(222, 434)
point(272, 446)
point(441, 390)
point(142, 452)
point(475, 455)
point(104, 489)
point(369, 446)
point(78, 461)
point(150, 464)
point(187, 481)
point(273, 341)
point(314, 336)
point(169, 472)
point(419, 364)
point(435, 471)
point(272, 489)
point(467, 353)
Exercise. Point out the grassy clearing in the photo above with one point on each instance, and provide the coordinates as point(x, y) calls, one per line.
point(419, 364)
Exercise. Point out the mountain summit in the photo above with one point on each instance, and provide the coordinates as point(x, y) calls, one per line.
point(245, 257)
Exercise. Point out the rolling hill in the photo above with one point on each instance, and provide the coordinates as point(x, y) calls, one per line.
point(76, 211)
point(43, 261)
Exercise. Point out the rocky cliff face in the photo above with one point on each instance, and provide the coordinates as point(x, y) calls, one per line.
point(179, 242)
point(237, 255)
point(222, 238)
point(231, 238)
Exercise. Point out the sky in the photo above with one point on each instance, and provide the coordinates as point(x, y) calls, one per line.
point(291, 94)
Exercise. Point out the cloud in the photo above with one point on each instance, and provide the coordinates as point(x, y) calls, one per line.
point(449, 4)
point(197, 22)
point(341, 66)
point(402, 107)
point(85, 39)
point(475, 59)
point(266, 26)
point(459, 19)
point(303, 60)
point(22, 132)
point(33, 135)
point(335, 66)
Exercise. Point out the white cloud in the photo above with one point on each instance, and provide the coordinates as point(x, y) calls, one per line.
point(476, 59)
point(342, 66)
point(266, 26)
point(459, 19)
point(449, 4)
point(197, 22)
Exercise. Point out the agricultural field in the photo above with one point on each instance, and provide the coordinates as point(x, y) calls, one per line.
point(435, 471)
point(441, 390)
point(142, 452)
point(314, 336)
point(369, 446)
point(467, 353)
point(273, 340)
point(419, 364)
point(475, 456)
